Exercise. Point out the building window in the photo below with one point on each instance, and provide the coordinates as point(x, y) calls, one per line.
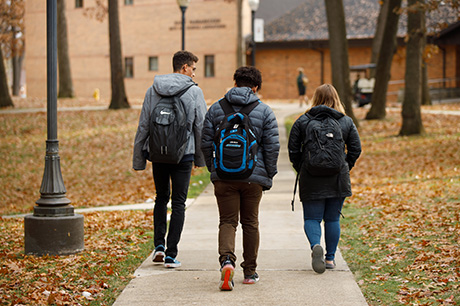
point(209, 71)
point(78, 3)
point(129, 67)
point(129, 2)
point(153, 63)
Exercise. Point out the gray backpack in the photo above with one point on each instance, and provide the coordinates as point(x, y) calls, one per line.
point(168, 129)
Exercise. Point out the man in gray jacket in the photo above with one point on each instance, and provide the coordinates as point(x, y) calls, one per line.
point(184, 65)
point(241, 198)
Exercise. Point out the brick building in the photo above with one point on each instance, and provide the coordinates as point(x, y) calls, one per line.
point(150, 34)
point(299, 38)
point(295, 35)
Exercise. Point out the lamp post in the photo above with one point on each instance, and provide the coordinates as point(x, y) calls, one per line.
point(254, 5)
point(53, 228)
point(183, 4)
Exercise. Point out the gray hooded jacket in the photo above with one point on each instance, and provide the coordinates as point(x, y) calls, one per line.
point(265, 127)
point(195, 107)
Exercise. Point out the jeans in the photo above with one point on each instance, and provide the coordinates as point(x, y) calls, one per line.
point(239, 199)
point(314, 211)
point(179, 175)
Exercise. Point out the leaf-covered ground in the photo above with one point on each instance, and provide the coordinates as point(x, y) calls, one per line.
point(400, 234)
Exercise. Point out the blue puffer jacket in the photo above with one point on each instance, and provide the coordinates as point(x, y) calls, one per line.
point(265, 127)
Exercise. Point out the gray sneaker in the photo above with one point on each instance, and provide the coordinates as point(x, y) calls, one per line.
point(159, 254)
point(317, 259)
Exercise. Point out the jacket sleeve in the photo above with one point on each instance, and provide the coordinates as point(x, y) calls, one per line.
point(207, 137)
point(353, 144)
point(270, 142)
point(200, 112)
point(142, 134)
point(295, 145)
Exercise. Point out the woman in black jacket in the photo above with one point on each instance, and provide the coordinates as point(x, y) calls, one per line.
point(323, 194)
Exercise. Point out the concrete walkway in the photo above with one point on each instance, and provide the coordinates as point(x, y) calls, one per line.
point(284, 262)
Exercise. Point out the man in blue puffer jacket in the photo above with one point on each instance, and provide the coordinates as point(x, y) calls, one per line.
point(242, 197)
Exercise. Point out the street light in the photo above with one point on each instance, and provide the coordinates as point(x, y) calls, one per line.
point(54, 228)
point(183, 4)
point(254, 5)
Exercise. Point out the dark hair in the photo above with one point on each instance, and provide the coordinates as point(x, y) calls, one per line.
point(181, 58)
point(248, 77)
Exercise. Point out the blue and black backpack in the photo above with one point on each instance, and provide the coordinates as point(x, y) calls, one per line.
point(235, 144)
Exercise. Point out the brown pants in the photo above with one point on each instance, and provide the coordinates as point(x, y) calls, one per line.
point(238, 199)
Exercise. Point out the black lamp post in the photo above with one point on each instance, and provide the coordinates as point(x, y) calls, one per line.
point(183, 4)
point(254, 5)
point(53, 228)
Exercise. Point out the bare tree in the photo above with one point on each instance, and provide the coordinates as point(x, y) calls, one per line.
point(383, 69)
point(378, 37)
point(119, 99)
point(338, 45)
point(5, 98)
point(411, 111)
point(65, 76)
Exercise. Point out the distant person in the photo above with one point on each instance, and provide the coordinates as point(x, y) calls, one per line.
point(324, 185)
point(238, 183)
point(171, 165)
point(302, 82)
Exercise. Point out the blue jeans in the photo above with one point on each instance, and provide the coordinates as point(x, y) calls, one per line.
point(314, 211)
point(179, 176)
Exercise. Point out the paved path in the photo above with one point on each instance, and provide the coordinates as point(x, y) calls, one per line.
point(286, 277)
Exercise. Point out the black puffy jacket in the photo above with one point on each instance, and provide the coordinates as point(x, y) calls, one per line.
point(263, 121)
point(321, 187)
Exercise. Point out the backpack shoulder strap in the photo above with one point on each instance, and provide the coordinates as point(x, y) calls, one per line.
point(183, 91)
point(248, 108)
point(226, 106)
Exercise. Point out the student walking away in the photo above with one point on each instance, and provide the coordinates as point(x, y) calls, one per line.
point(169, 135)
point(323, 147)
point(302, 82)
point(241, 146)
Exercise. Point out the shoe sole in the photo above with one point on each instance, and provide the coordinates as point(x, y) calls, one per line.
point(226, 278)
point(317, 261)
point(159, 258)
point(172, 265)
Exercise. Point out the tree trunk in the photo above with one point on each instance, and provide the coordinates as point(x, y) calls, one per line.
point(383, 69)
point(378, 37)
point(16, 61)
point(119, 99)
point(239, 48)
point(5, 98)
point(339, 54)
point(65, 77)
point(411, 112)
point(426, 97)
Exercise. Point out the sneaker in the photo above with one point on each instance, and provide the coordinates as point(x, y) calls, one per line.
point(159, 254)
point(317, 259)
point(330, 265)
point(171, 262)
point(226, 276)
point(251, 279)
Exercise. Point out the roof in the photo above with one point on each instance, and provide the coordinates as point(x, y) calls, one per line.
point(308, 21)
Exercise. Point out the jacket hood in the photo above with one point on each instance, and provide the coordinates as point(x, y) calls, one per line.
point(241, 96)
point(171, 84)
point(325, 109)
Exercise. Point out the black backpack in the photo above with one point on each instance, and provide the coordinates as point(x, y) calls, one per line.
point(323, 147)
point(235, 144)
point(168, 129)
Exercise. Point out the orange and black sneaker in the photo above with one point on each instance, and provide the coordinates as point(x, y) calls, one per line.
point(226, 277)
